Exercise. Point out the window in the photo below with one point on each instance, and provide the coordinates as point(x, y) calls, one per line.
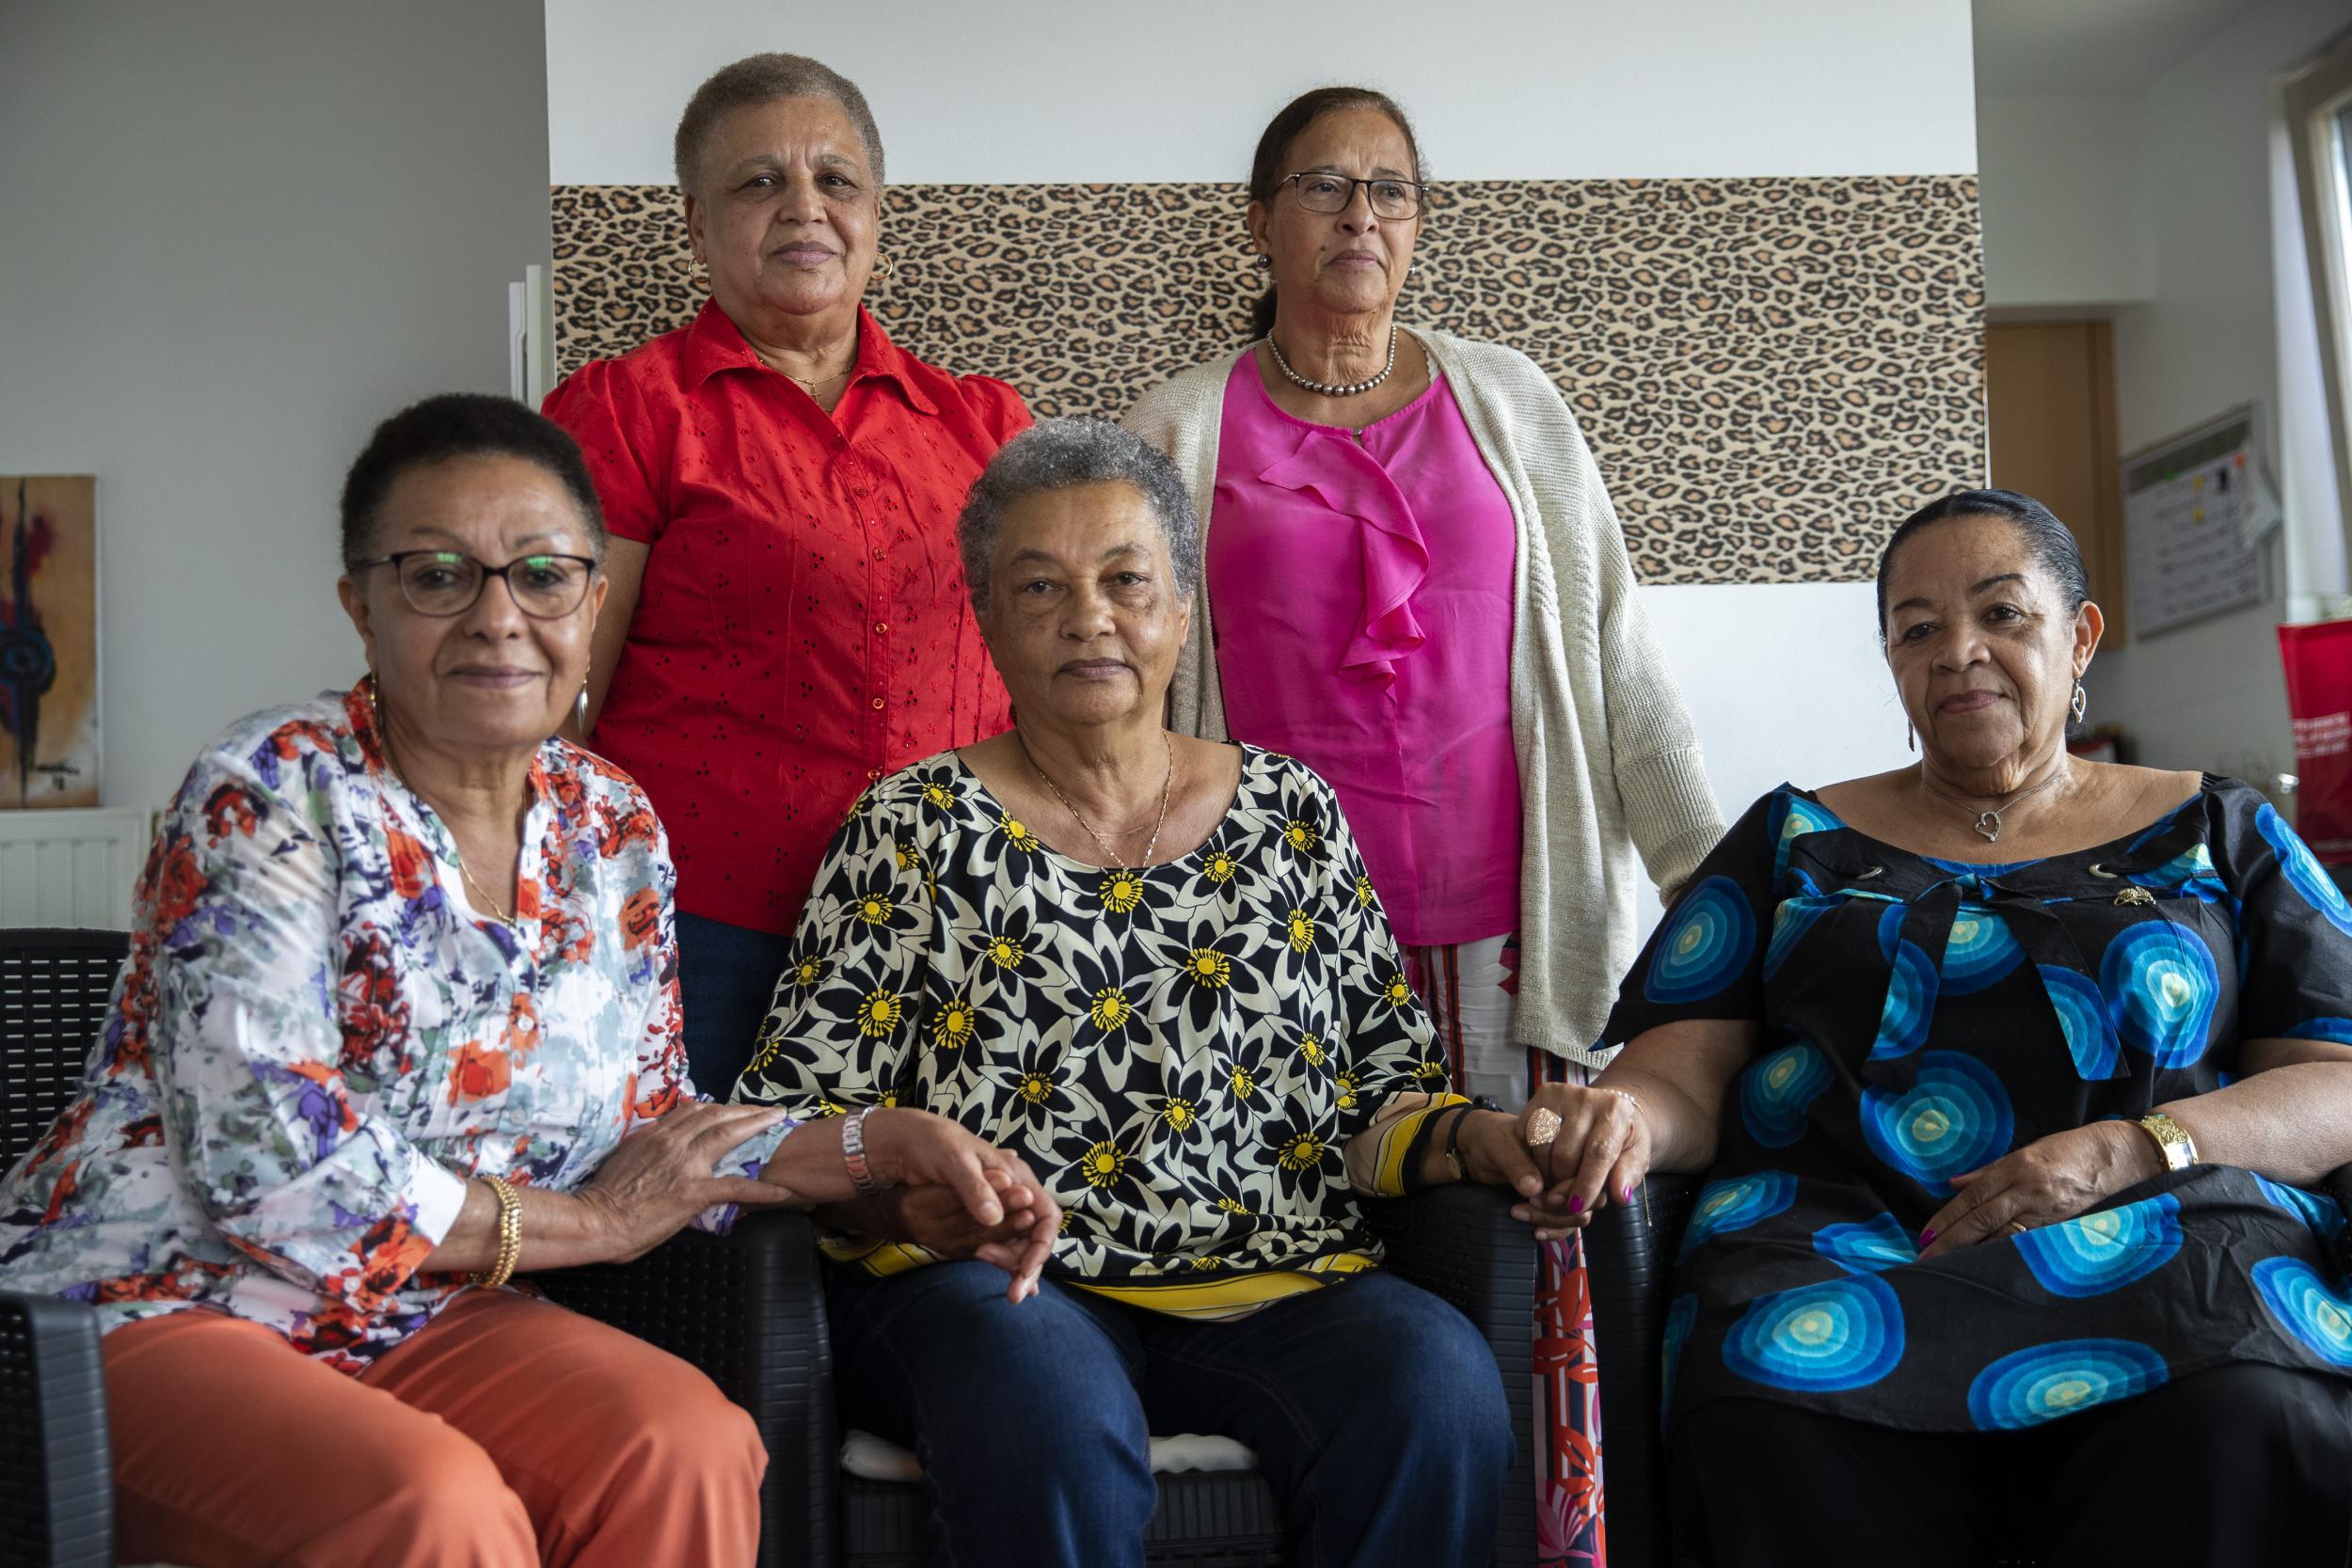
point(2318, 102)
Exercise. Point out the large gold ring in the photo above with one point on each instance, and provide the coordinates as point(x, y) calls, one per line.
point(1542, 1128)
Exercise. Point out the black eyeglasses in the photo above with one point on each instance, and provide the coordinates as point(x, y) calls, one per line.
point(1326, 192)
point(447, 583)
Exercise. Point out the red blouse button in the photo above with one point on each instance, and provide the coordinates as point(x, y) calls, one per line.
point(877, 703)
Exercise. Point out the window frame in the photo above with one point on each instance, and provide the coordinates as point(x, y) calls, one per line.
point(2316, 99)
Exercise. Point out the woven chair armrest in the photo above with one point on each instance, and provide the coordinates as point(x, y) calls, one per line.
point(1460, 1242)
point(1628, 1252)
point(57, 1501)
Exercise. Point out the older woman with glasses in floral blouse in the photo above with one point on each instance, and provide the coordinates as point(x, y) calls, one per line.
point(401, 1023)
point(1153, 967)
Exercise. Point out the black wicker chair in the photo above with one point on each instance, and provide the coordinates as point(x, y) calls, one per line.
point(1629, 1251)
point(771, 1353)
point(748, 1309)
point(56, 1474)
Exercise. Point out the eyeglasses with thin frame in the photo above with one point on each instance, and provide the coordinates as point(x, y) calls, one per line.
point(448, 582)
point(1321, 190)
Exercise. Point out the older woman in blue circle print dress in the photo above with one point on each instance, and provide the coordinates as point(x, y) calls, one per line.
point(2012, 1071)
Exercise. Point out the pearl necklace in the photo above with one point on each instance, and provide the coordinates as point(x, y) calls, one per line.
point(1324, 389)
point(1167, 786)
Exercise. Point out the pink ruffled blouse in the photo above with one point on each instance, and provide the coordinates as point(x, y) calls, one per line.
point(1361, 582)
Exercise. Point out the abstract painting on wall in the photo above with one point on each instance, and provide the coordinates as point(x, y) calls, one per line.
point(49, 731)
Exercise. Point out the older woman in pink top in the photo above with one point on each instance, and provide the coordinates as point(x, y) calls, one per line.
point(1415, 585)
point(1414, 729)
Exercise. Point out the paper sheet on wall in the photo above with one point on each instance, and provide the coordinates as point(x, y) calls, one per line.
point(2196, 511)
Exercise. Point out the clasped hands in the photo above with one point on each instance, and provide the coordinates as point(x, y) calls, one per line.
point(1593, 1146)
point(951, 1192)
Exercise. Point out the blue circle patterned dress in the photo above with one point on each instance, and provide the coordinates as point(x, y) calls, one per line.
point(1923, 1017)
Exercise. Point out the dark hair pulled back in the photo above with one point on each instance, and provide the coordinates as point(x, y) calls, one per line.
point(2049, 541)
point(1269, 167)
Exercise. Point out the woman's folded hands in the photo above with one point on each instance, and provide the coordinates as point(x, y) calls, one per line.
point(959, 1196)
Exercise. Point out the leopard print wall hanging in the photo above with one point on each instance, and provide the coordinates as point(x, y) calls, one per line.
point(1770, 371)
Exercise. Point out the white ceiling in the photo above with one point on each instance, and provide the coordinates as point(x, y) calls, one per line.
point(2088, 46)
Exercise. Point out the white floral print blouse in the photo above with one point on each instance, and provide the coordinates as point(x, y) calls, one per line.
point(317, 1038)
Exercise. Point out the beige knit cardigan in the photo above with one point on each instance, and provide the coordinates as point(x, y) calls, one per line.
point(1609, 762)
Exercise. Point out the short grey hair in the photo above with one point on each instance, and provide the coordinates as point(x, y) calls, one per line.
point(759, 79)
point(1059, 453)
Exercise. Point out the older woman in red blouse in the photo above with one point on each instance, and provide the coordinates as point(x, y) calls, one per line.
point(789, 620)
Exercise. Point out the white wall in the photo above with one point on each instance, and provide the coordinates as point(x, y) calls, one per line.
point(234, 236)
point(2064, 200)
point(1077, 89)
point(1785, 682)
point(2211, 695)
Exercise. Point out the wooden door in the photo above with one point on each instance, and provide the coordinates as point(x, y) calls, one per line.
point(2050, 407)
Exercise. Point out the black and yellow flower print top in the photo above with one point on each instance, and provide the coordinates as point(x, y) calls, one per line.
point(1202, 1060)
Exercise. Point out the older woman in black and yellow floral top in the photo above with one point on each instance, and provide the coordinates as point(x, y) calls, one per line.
point(1151, 966)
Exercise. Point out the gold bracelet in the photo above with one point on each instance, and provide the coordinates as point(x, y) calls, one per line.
point(510, 1234)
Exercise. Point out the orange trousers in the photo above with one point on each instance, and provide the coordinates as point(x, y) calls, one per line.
point(506, 1433)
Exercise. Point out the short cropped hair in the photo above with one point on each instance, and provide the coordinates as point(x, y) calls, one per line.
point(460, 424)
point(1056, 454)
point(759, 79)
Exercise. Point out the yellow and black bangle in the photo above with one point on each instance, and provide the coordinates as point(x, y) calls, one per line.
point(510, 1234)
point(1452, 1117)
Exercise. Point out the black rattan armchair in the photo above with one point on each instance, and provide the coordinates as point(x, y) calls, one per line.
point(747, 1309)
point(1629, 1251)
point(56, 1474)
point(750, 1311)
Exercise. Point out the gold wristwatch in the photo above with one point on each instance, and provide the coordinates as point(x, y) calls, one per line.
point(2173, 1145)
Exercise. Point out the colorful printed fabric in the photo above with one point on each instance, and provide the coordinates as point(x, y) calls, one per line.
point(317, 1038)
point(1924, 1018)
point(1471, 991)
point(1202, 1060)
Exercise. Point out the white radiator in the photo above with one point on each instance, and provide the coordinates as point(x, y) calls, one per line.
point(70, 867)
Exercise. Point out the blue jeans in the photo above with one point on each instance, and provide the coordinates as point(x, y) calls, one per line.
point(1375, 1410)
point(726, 976)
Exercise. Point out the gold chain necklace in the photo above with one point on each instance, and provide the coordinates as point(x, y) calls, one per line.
point(1992, 834)
point(384, 738)
point(1167, 786)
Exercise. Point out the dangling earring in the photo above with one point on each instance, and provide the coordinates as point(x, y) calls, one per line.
point(2082, 700)
point(579, 703)
point(375, 699)
point(1911, 736)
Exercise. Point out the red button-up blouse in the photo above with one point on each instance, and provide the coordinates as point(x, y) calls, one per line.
point(802, 628)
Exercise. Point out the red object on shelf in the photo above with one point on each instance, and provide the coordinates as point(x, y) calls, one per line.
point(2318, 661)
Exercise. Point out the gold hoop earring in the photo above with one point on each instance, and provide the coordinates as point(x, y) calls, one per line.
point(699, 273)
point(883, 265)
